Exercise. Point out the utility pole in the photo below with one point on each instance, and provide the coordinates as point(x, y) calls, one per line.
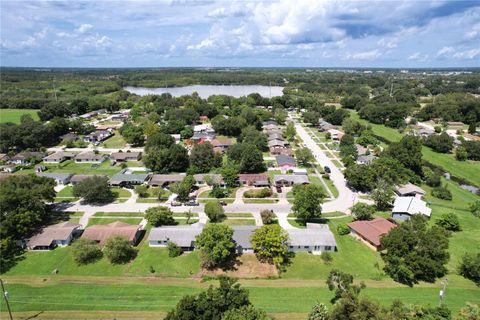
point(5, 296)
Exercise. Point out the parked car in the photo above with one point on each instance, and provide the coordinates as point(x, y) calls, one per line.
point(191, 203)
point(175, 204)
point(327, 169)
point(223, 203)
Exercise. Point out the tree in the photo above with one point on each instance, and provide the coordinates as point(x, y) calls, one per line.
point(469, 312)
point(442, 192)
point(86, 251)
point(270, 244)
point(246, 313)
point(230, 176)
point(304, 156)
point(475, 208)
point(202, 157)
point(141, 190)
point(160, 216)
point(342, 283)
point(173, 250)
point(319, 312)
point(268, 217)
point(252, 160)
point(118, 250)
point(363, 211)
point(449, 221)
point(383, 195)
point(311, 117)
point(409, 152)
point(470, 267)
point(214, 303)
point(251, 135)
point(308, 201)
point(216, 246)
point(94, 190)
point(164, 160)
point(183, 189)
point(290, 132)
point(441, 143)
point(133, 134)
point(159, 140)
point(413, 252)
point(461, 154)
point(214, 211)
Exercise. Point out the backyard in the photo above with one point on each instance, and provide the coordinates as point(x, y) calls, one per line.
point(14, 115)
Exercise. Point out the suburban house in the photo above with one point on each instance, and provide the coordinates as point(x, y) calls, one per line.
point(409, 190)
point(275, 151)
point(119, 117)
point(90, 157)
point(61, 179)
point(25, 156)
point(288, 180)
point(9, 168)
point(254, 179)
point(92, 114)
point(182, 235)
point(127, 179)
point(176, 137)
point(269, 123)
point(203, 178)
point(275, 130)
point(102, 127)
point(59, 156)
point(60, 234)
point(80, 177)
point(221, 145)
point(97, 136)
point(361, 150)
point(276, 143)
point(69, 137)
point(405, 207)
point(371, 231)
point(207, 136)
point(3, 157)
point(285, 162)
point(126, 156)
point(242, 236)
point(300, 171)
point(365, 159)
point(425, 132)
point(275, 136)
point(101, 232)
point(325, 125)
point(315, 238)
point(335, 135)
point(163, 180)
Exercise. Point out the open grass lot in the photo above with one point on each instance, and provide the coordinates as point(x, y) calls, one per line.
point(14, 115)
point(92, 221)
point(70, 166)
point(115, 141)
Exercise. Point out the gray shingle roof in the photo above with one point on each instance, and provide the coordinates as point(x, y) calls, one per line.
point(242, 234)
point(292, 178)
point(314, 235)
point(183, 236)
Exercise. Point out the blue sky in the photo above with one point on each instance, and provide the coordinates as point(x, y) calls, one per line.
point(294, 33)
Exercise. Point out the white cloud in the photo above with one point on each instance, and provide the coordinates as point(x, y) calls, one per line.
point(365, 55)
point(83, 28)
point(450, 52)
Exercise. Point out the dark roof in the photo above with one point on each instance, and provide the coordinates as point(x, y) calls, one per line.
point(101, 232)
point(253, 177)
point(159, 179)
point(125, 155)
point(283, 160)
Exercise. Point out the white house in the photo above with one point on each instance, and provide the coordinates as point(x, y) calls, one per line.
point(315, 239)
point(60, 235)
point(405, 207)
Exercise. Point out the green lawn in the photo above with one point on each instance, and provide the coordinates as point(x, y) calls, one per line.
point(121, 193)
point(331, 186)
point(239, 222)
point(70, 166)
point(118, 214)
point(266, 200)
point(66, 192)
point(14, 115)
point(93, 221)
point(115, 141)
point(239, 214)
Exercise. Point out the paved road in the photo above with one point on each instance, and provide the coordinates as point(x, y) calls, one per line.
point(346, 197)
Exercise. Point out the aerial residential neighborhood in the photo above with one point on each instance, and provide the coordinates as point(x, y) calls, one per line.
point(258, 160)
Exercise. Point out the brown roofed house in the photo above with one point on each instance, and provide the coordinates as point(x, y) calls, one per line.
point(90, 157)
point(60, 234)
point(409, 190)
point(162, 180)
point(126, 156)
point(80, 177)
point(281, 151)
point(371, 231)
point(254, 179)
point(102, 232)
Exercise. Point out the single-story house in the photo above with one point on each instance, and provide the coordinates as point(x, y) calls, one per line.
point(405, 207)
point(269, 123)
point(119, 117)
point(101, 232)
point(203, 128)
point(102, 127)
point(254, 179)
point(275, 136)
point(163, 180)
point(25, 156)
point(221, 144)
point(335, 135)
point(315, 238)
point(371, 231)
point(325, 125)
point(3, 157)
point(215, 178)
point(242, 236)
point(285, 162)
point(59, 156)
point(275, 151)
point(177, 138)
point(425, 132)
point(275, 130)
point(300, 171)
point(409, 190)
point(90, 157)
point(125, 179)
point(60, 234)
point(69, 137)
point(288, 180)
point(365, 159)
point(361, 150)
point(455, 124)
point(9, 168)
point(60, 178)
point(182, 235)
point(208, 136)
point(80, 177)
point(92, 114)
point(97, 136)
point(126, 156)
point(276, 143)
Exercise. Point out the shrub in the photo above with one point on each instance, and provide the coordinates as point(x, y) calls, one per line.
point(363, 211)
point(118, 250)
point(326, 257)
point(343, 230)
point(86, 251)
point(470, 267)
point(262, 193)
point(173, 250)
point(442, 193)
point(142, 191)
point(218, 192)
point(214, 211)
point(449, 221)
point(461, 154)
point(160, 216)
point(438, 129)
point(268, 217)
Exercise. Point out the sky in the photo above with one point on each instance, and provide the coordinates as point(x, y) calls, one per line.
point(293, 33)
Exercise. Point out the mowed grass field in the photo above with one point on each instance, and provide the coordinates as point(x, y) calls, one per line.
point(14, 115)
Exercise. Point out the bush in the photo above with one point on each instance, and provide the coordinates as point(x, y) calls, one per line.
point(470, 267)
point(438, 129)
point(461, 154)
point(218, 192)
point(142, 191)
point(118, 250)
point(268, 217)
point(363, 211)
point(86, 251)
point(442, 193)
point(160, 216)
point(326, 257)
point(343, 230)
point(449, 221)
point(173, 250)
point(262, 193)
point(214, 211)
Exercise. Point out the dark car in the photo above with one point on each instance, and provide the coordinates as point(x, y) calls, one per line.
point(327, 169)
point(191, 203)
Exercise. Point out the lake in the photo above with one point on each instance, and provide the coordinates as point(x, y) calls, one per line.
point(205, 91)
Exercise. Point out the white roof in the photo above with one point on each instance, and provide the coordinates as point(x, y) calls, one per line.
point(411, 205)
point(314, 235)
point(183, 236)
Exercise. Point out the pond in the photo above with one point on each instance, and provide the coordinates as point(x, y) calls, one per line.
point(205, 91)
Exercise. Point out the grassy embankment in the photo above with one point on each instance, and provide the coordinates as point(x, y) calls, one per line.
point(14, 115)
